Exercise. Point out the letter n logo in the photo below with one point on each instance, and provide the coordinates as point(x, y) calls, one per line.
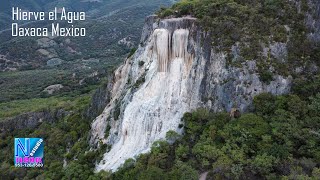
point(22, 145)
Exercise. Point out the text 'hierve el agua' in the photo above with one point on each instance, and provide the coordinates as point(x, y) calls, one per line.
point(59, 14)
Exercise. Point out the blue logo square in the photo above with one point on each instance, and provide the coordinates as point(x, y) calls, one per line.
point(28, 152)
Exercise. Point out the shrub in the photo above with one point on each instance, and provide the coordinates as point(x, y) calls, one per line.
point(132, 51)
point(264, 103)
point(141, 63)
point(266, 76)
point(107, 131)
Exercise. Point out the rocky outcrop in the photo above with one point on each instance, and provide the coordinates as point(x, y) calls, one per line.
point(174, 70)
point(54, 62)
point(313, 20)
point(53, 88)
point(31, 120)
point(99, 101)
point(7, 64)
point(127, 41)
point(46, 42)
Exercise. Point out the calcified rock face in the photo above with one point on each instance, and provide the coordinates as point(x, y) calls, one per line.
point(175, 70)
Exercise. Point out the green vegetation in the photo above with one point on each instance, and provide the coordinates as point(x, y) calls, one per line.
point(254, 24)
point(132, 51)
point(107, 132)
point(17, 107)
point(266, 76)
point(108, 23)
point(23, 91)
point(141, 63)
point(21, 48)
point(65, 140)
point(140, 81)
point(280, 139)
point(81, 57)
point(306, 86)
point(117, 111)
point(30, 84)
point(14, 108)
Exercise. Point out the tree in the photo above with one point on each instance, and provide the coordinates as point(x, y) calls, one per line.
point(172, 136)
point(152, 173)
point(264, 163)
point(264, 103)
point(182, 171)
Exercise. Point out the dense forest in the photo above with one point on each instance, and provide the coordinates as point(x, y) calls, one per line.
point(253, 24)
point(279, 139)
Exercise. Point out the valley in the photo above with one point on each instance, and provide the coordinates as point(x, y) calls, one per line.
point(78, 63)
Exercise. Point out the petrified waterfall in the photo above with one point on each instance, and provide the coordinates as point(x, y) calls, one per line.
point(157, 106)
point(167, 50)
point(180, 72)
point(162, 49)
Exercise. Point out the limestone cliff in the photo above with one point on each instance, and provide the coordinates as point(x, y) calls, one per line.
point(31, 120)
point(174, 70)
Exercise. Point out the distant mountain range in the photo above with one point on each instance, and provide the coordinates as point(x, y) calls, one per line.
point(113, 28)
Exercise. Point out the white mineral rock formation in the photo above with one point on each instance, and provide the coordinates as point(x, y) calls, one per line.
point(179, 73)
